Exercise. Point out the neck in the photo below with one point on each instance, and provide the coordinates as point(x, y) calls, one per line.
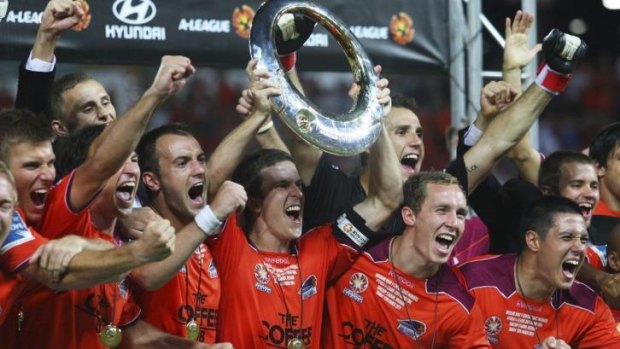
point(365, 179)
point(529, 284)
point(265, 241)
point(404, 257)
point(163, 210)
point(103, 222)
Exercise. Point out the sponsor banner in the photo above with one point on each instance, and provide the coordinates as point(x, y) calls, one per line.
point(403, 36)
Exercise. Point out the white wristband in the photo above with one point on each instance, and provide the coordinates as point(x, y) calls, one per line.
point(207, 221)
point(265, 127)
point(472, 136)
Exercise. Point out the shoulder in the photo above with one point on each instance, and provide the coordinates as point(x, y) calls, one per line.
point(449, 282)
point(579, 295)
point(490, 271)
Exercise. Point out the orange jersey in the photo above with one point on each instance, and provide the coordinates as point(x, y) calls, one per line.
point(270, 298)
point(373, 305)
point(577, 315)
point(15, 254)
point(178, 301)
point(59, 219)
point(72, 319)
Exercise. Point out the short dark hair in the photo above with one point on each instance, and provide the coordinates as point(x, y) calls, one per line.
point(539, 217)
point(56, 98)
point(248, 175)
point(402, 101)
point(71, 151)
point(415, 187)
point(148, 159)
point(21, 125)
point(551, 168)
point(604, 143)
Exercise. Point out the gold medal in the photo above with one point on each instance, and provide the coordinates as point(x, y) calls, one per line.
point(111, 336)
point(295, 343)
point(192, 330)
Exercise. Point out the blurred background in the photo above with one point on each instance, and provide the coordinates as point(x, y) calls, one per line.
point(208, 102)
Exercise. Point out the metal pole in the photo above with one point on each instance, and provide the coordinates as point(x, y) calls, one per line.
point(457, 65)
point(474, 57)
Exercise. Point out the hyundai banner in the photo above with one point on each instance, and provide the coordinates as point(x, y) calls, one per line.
point(403, 36)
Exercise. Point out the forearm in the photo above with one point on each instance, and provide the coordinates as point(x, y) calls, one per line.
point(44, 46)
point(230, 151)
point(141, 335)
point(112, 148)
point(271, 140)
point(527, 159)
point(513, 77)
point(89, 268)
point(384, 184)
point(152, 276)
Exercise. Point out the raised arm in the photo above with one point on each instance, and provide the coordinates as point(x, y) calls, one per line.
point(561, 53)
point(231, 150)
point(385, 179)
point(229, 198)
point(36, 74)
point(516, 56)
point(111, 149)
point(73, 262)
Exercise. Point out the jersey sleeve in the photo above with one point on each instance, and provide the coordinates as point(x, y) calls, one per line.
point(339, 243)
point(19, 245)
point(601, 332)
point(59, 218)
point(468, 330)
point(228, 246)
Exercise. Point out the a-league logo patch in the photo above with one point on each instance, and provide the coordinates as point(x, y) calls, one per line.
point(492, 327)
point(358, 282)
point(262, 275)
point(412, 328)
point(308, 287)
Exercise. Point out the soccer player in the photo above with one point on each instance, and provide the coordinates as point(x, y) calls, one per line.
point(530, 298)
point(181, 294)
point(605, 151)
point(273, 281)
point(400, 293)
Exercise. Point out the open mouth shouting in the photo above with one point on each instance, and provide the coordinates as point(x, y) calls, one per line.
point(570, 267)
point(586, 210)
point(125, 193)
point(408, 163)
point(196, 194)
point(444, 242)
point(294, 213)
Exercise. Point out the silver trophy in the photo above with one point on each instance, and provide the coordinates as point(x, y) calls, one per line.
point(343, 135)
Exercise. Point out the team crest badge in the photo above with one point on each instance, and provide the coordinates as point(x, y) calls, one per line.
point(308, 288)
point(412, 328)
point(212, 270)
point(262, 275)
point(401, 28)
point(358, 283)
point(242, 20)
point(492, 327)
point(123, 289)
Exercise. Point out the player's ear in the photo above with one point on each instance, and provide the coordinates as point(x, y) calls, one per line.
point(59, 129)
point(546, 190)
point(254, 205)
point(150, 181)
point(613, 261)
point(532, 240)
point(408, 215)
